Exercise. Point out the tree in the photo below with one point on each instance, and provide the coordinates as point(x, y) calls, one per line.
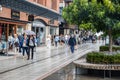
point(102, 15)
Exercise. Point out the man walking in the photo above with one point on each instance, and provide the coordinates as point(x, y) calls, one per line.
point(72, 43)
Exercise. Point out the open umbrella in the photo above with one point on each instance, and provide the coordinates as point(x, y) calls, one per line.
point(29, 32)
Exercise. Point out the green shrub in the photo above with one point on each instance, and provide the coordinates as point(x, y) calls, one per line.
point(106, 48)
point(101, 58)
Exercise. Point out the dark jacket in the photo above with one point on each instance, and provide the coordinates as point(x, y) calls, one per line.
point(72, 41)
point(23, 41)
point(20, 37)
point(32, 40)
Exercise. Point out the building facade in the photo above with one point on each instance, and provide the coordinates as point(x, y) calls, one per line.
point(41, 16)
point(64, 27)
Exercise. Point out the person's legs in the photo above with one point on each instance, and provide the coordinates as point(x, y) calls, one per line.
point(56, 43)
point(28, 52)
point(23, 51)
point(19, 49)
point(72, 49)
point(32, 53)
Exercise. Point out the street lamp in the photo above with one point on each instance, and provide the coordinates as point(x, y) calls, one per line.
point(0, 8)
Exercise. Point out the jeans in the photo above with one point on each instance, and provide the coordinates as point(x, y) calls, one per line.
point(32, 51)
point(56, 43)
point(25, 49)
point(72, 49)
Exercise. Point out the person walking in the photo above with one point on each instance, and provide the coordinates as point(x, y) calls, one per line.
point(31, 46)
point(20, 37)
point(10, 41)
point(66, 39)
point(56, 40)
point(72, 43)
point(48, 41)
point(16, 43)
point(25, 45)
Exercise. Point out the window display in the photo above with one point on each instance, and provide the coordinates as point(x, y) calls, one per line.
point(3, 37)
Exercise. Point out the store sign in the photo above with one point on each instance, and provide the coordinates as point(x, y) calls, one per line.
point(15, 14)
point(38, 24)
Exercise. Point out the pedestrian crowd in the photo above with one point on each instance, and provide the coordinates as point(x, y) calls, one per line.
point(71, 40)
point(27, 43)
point(22, 43)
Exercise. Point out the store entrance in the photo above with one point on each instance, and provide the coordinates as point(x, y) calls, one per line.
point(40, 35)
point(11, 29)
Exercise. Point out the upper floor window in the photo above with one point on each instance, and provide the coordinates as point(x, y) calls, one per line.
point(40, 2)
point(54, 4)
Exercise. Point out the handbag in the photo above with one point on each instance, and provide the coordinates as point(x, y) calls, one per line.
point(16, 44)
point(76, 47)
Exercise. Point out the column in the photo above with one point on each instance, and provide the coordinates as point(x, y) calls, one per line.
point(7, 34)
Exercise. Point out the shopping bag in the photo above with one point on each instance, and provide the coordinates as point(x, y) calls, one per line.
point(76, 47)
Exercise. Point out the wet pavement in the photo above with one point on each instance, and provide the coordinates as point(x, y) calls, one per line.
point(45, 63)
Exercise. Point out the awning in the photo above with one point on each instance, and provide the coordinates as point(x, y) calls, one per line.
point(30, 8)
point(12, 21)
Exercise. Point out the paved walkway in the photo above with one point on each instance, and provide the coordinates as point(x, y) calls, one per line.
point(11, 53)
point(46, 62)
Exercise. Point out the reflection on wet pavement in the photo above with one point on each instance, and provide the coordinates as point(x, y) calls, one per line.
point(68, 73)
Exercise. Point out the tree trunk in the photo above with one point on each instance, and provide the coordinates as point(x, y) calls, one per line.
point(110, 40)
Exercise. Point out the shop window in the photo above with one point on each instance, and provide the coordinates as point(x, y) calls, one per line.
point(20, 30)
point(3, 32)
point(11, 29)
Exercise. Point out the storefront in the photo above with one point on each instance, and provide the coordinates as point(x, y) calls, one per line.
point(18, 14)
point(53, 30)
point(9, 27)
point(39, 27)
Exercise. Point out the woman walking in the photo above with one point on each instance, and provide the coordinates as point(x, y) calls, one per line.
point(25, 45)
point(16, 43)
point(31, 45)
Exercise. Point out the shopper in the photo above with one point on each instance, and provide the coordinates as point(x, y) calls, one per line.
point(48, 40)
point(56, 40)
point(25, 45)
point(16, 43)
point(72, 43)
point(31, 46)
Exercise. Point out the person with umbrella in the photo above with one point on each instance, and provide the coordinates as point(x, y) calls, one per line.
point(31, 45)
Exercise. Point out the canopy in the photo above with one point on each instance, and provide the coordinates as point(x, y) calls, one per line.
point(30, 8)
